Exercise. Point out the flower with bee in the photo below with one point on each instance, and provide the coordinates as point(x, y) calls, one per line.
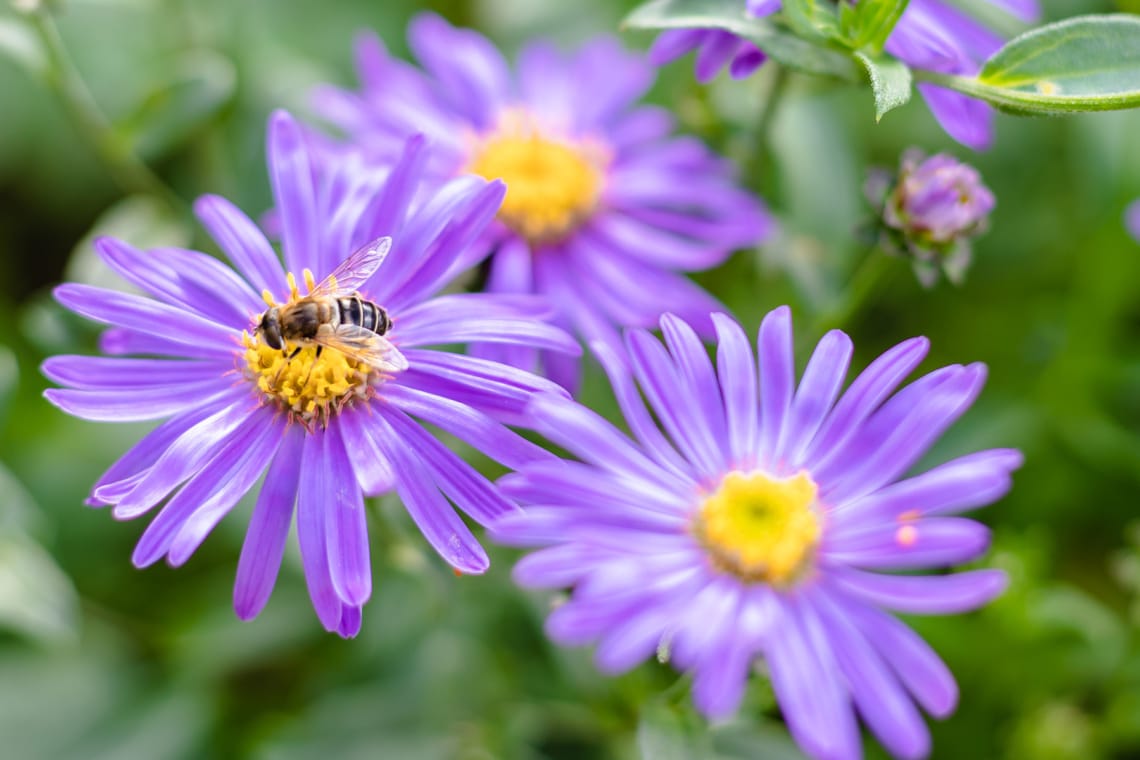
point(322, 385)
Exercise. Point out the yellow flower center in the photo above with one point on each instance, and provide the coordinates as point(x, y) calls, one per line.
point(761, 528)
point(552, 184)
point(308, 385)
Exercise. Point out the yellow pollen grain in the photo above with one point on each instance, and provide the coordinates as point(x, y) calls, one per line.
point(906, 536)
point(761, 528)
point(553, 185)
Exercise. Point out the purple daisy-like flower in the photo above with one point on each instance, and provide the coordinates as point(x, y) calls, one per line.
point(758, 522)
point(326, 426)
point(604, 207)
point(930, 35)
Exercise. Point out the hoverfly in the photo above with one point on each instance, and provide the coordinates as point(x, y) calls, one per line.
point(333, 315)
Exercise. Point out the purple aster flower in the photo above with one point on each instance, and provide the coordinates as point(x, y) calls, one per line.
point(754, 518)
point(930, 213)
point(930, 35)
point(1132, 219)
point(604, 207)
point(327, 426)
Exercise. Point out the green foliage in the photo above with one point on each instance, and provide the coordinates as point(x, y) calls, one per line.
point(1086, 63)
point(812, 56)
point(890, 82)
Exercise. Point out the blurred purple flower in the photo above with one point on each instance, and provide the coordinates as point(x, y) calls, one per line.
point(931, 212)
point(931, 35)
point(604, 207)
point(762, 524)
point(1132, 219)
point(324, 428)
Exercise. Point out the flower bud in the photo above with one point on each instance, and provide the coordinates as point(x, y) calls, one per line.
point(930, 211)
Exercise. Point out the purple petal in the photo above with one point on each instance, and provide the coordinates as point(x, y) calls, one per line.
point(822, 380)
point(633, 409)
point(557, 566)
point(469, 490)
point(135, 404)
point(265, 538)
point(291, 174)
point(391, 204)
point(244, 471)
point(468, 425)
point(434, 516)
point(582, 486)
point(715, 51)
point(588, 436)
point(148, 316)
point(94, 372)
point(902, 431)
point(346, 528)
point(119, 341)
point(451, 251)
point(964, 483)
point(215, 487)
point(811, 694)
point(468, 67)
point(674, 43)
point(777, 378)
point(930, 542)
point(880, 699)
point(242, 242)
point(924, 594)
point(692, 360)
point(373, 472)
point(126, 473)
point(607, 79)
point(509, 330)
point(350, 620)
point(312, 506)
point(868, 390)
point(914, 663)
point(736, 372)
point(185, 456)
point(194, 281)
point(664, 388)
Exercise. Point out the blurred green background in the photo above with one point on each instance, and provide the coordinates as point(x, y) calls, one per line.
point(99, 660)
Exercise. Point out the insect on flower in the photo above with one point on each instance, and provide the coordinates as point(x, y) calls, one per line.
point(334, 315)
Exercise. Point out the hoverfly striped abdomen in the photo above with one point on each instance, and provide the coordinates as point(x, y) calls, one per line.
point(354, 310)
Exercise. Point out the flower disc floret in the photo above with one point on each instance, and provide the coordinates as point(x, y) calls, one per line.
point(553, 184)
point(761, 528)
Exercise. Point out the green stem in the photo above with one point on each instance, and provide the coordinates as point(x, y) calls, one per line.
point(125, 168)
point(876, 269)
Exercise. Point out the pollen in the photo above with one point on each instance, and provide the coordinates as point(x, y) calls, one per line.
point(553, 184)
point(760, 528)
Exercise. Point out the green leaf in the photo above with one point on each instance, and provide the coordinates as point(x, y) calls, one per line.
point(1086, 63)
point(890, 81)
point(810, 19)
point(730, 15)
point(868, 23)
point(202, 84)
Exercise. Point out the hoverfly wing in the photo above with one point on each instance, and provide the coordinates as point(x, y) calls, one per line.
point(355, 270)
point(364, 346)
